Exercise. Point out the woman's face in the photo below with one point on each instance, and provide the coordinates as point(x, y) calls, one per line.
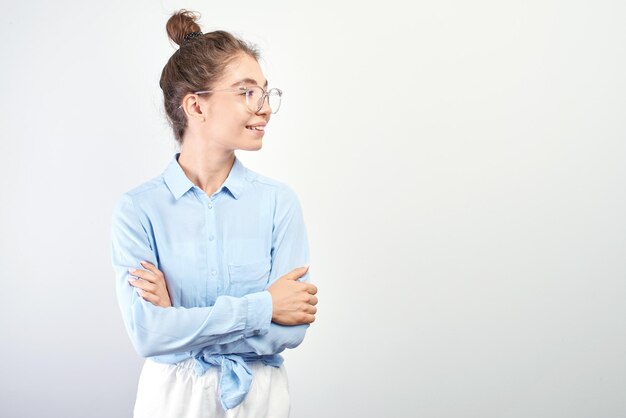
point(229, 121)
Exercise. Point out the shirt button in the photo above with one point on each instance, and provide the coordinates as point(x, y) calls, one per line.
point(210, 205)
point(211, 238)
point(214, 272)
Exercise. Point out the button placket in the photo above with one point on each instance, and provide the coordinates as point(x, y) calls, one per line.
point(214, 283)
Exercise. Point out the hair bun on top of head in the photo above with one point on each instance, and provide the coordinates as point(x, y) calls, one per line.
point(182, 27)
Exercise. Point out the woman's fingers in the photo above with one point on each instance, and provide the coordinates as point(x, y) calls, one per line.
point(142, 284)
point(152, 268)
point(143, 274)
point(150, 292)
point(311, 288)
point(152, 275)
point(308, 319)
point(151, 297)
point(150, 284)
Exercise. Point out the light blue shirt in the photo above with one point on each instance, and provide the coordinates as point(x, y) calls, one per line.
point(218, 254)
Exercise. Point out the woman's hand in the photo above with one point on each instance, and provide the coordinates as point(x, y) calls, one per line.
point(293, 302)
point(151, 286)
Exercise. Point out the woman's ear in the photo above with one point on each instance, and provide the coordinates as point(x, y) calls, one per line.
point(194, 108)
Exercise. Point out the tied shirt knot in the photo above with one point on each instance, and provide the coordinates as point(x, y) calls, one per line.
point(235, 375)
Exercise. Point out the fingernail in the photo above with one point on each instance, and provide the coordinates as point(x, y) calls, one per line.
point(131, 270)
point(306, 266)
point(142, 262)
point(131, 278)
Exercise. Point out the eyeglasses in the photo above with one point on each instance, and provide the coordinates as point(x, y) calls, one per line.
point(255, 97)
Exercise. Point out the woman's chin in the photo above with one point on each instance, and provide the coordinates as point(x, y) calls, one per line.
point(252, 147)
point(256, 145)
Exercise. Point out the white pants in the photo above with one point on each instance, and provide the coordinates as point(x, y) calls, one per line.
point(176, 391)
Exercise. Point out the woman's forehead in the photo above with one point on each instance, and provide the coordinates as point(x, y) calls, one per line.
point(244, 70)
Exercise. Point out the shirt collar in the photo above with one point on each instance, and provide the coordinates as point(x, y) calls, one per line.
point(179, 184)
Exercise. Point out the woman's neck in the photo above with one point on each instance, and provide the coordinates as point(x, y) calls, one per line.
point(207, 169)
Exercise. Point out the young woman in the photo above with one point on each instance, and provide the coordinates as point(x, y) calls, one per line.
point(211, 257)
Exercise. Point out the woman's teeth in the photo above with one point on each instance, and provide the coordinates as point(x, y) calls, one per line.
point(256, 128)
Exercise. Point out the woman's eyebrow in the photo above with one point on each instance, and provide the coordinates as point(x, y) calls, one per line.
point(248, 81)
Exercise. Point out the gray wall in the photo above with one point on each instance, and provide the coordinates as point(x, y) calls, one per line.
point(461, 170)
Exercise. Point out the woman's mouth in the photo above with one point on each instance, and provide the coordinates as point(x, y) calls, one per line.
point(257, 130)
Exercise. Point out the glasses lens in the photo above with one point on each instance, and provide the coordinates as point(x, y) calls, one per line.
point(255, 99)
point(274, 97)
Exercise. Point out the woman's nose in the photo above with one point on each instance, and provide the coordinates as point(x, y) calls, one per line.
point(265, 109)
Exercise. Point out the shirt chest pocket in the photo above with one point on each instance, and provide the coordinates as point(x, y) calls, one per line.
point(248, 278)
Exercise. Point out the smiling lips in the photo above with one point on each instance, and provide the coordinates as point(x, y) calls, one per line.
point(258, 129)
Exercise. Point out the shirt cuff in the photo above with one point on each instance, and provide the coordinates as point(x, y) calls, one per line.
point(259, 313)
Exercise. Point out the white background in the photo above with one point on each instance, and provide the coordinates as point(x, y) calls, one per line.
point(461, 170)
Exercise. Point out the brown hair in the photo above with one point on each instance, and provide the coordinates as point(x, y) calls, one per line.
point(196, 65)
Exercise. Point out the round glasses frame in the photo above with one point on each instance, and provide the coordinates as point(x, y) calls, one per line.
point(245, 90)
